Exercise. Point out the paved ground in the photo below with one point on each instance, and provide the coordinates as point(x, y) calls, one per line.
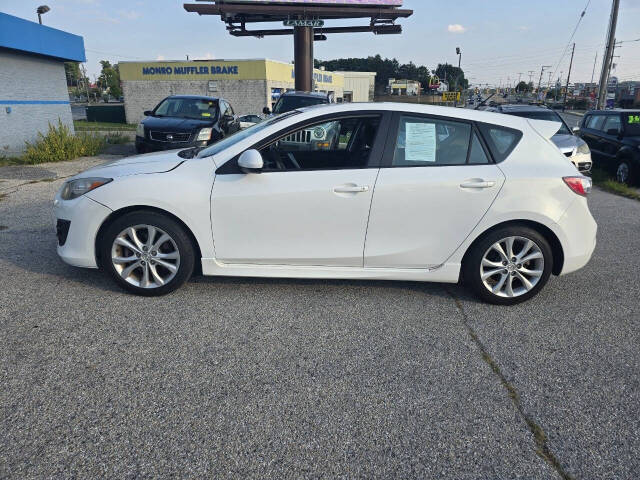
point(246, 378)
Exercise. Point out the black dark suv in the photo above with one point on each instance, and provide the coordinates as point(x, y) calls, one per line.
point(291, 100)
point(614, 139)
point(183, 121)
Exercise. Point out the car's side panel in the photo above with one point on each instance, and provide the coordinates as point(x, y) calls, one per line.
point(184, 192)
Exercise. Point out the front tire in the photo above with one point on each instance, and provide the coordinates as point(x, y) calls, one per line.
point(147, 253)
point(625, 172)
point(509, 265)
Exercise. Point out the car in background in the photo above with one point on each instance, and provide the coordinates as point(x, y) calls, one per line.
point(182, 121)
point(614, 139)
point(572, 146)
point(410, 192)
point(247, 121)
point(289, 101)
point(322, 137)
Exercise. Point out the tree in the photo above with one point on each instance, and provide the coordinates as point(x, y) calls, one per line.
point(523, 87)
point(72, 72)
point(454, 76)
point(109, 79)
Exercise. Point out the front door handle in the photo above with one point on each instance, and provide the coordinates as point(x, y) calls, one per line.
point(351, 189)
point(477, 183)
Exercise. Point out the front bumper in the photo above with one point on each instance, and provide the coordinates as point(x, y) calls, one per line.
point(579, 230)
point(144, 145)
point(82, 218)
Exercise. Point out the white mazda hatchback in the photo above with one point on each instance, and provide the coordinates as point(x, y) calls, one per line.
point(355, 191)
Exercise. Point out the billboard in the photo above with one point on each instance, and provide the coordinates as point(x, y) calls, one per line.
point(351, 3)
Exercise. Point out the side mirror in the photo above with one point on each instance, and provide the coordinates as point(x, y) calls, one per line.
point(266, 111)
point(575, 129)
point(148, 113)
point(251, 161)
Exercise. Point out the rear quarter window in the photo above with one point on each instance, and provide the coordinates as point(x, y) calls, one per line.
point(500, 140)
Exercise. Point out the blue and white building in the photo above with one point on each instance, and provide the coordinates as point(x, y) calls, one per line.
point(33, 86)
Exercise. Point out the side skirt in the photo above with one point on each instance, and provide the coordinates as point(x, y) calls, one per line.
point(447, 273)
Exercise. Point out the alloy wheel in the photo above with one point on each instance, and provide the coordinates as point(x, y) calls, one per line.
point(622, 174)
point(511, 267)
point(145, 256)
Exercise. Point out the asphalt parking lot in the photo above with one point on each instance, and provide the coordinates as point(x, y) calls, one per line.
point(260, 378)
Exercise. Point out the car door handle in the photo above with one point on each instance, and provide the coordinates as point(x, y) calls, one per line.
point(477, 184)
point(351, 189)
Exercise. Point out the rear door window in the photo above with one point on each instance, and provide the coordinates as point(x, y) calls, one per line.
point(612, 122)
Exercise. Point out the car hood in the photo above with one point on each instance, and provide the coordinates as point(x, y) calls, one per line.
point(567, 142)
point(139, 164)
point(175, 124)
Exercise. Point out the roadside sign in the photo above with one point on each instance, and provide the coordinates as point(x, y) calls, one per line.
point(434, 82)
point(450, 96)
point(303, 23)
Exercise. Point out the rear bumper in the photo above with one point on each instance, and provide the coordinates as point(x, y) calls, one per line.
point(579, 230)
point(81, 220)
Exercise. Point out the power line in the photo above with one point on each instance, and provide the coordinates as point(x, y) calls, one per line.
point(573, 34)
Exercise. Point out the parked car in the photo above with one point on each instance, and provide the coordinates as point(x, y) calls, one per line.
point(247, 121)
point(292, 100)
point(572, 146)
point(614, 139)
point(183, 121)
point(437, 192)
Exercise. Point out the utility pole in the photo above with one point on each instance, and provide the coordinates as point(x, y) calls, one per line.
point(566, 88)
point(540, 81)
point(608, 57)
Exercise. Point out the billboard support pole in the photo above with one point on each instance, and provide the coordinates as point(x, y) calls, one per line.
point(303, 58)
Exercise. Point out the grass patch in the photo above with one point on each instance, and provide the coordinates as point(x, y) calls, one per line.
point(604, 181)
point(117, 138)
point(59, 144)
point(84, 126)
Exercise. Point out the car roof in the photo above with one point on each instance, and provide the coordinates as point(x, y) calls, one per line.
point(297, 93)
point(524, 108)
point(494, 118)
point(615, 110)
point(195, 97)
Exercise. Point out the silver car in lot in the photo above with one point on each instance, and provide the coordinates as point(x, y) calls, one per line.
point(572, 146)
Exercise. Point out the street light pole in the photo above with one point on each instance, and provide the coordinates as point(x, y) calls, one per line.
point(459, 53)
point(540, 81)
point(41, 10)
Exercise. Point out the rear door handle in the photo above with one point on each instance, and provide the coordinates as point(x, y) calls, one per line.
point(477, 184)
point(351, 189)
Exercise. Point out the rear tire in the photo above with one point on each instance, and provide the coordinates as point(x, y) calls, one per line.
point(147, 253)
point(509, 265)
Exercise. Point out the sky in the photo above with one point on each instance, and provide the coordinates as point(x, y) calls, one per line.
point(501, 41)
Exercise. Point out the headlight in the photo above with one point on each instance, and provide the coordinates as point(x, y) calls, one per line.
point(319, 132)
point(584, 149)
point(204, 134)
point(76, 188)
point(140, 130)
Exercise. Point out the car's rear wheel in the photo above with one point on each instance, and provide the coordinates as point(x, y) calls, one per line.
point(147, 253)
point(509, 265)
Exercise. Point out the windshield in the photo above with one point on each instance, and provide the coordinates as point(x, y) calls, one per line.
point(290, 102)
point(544, 115)
point(197, 109)
point(240, 135)
point(631, 124)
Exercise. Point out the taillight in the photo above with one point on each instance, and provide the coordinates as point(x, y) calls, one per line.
point(579, 185)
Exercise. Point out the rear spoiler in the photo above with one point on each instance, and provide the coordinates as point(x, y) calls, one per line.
point(545, 128)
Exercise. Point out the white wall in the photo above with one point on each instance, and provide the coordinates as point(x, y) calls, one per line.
point(35, 79)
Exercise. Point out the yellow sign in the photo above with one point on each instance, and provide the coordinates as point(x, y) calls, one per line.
point(450, 96)
point(224, 70)
point(434, 82)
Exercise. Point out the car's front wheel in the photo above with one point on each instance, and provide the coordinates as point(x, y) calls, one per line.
point(147, 253)
point(509, 265)
point(625, 172)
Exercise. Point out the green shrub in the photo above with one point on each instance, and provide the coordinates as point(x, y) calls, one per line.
point(114, 138)
point(60, 144)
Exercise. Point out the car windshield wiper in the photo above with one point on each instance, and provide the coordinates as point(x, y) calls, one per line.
point(190, 152)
